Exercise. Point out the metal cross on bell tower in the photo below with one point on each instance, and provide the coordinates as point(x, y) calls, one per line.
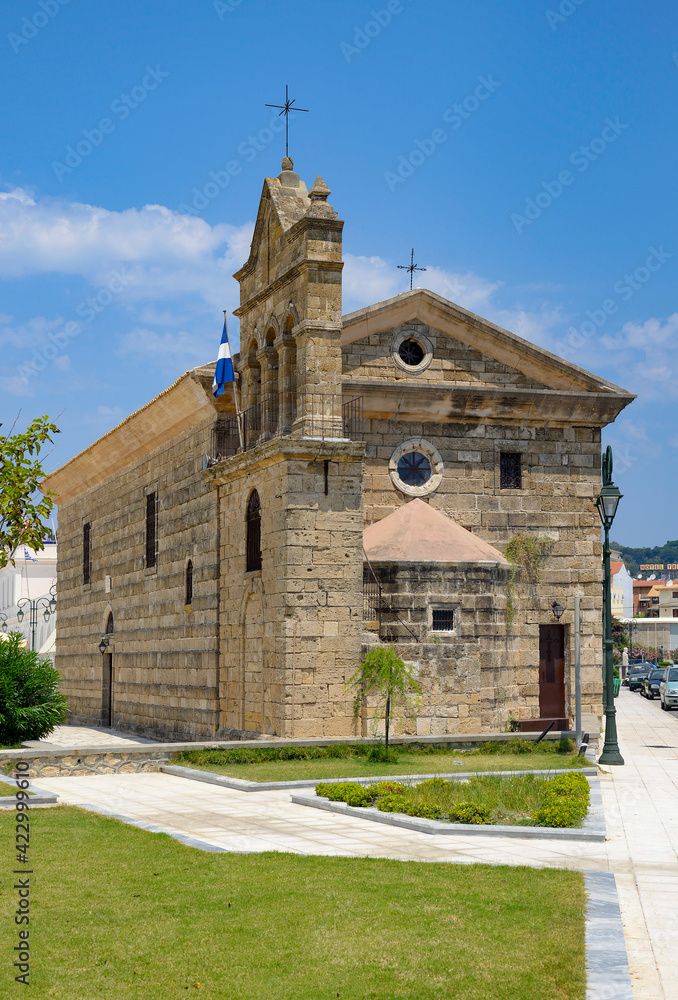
point(285, 110)
point(411, 267)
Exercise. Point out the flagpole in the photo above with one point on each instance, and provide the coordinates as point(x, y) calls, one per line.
point(237, 404)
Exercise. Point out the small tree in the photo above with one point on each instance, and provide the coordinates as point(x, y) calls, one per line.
point(31, 704)
point(395, 683)
point(22, 510)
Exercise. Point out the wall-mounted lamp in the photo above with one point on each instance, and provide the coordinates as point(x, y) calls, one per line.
point(557, 610)
point(103, 645)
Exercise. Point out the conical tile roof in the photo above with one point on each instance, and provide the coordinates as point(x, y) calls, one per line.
point(417, 532)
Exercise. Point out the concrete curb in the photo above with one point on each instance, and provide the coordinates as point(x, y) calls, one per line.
point(42, 798)
point(243, 785)
point(607, 966)
point(592, 830)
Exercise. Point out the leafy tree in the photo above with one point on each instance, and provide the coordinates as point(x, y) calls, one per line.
point(22, 509)
point(394, 681)
point(31, 704)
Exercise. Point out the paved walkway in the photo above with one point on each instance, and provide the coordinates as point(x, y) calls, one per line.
point(82, 736)
point(641, 807)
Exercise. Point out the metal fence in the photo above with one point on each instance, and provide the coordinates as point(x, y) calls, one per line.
point(313, 415)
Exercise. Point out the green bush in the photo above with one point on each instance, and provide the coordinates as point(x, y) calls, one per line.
point(349, 792)
point(30, 702)
point(381, 754)
point(387, 788)
point(469, 812)
point(565, 801)
point(435, 784)
point(393, 803)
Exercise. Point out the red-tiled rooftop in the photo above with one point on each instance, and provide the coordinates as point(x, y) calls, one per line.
point(417, 532)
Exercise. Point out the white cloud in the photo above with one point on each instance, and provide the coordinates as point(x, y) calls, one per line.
point(166, 254)
point(370, 279)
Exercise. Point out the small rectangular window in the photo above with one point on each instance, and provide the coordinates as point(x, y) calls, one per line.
point(675, 612)
point(151, 525)
point(510, 470)
point(443, 619)
point(86, 553)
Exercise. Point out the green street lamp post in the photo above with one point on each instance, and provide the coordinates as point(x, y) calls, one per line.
point(45, 604)
point(607, 504)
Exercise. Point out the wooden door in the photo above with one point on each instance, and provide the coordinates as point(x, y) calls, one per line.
point(552, 671)
point(107, 690)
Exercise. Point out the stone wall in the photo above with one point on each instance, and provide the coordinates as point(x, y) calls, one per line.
point(164, 653)
point(290, 632)
point(561, 478)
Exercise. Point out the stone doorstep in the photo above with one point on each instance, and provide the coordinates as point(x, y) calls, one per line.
point(243, 785)
point(593, 829)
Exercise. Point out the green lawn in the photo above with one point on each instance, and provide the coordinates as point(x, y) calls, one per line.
point(6, 789)
point(119, 912)
point(446, 762)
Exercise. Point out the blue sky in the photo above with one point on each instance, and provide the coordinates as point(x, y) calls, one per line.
point(527, 151)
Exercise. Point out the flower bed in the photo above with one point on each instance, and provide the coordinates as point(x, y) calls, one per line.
point(520, 800)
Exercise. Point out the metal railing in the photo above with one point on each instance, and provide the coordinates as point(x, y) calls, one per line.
point(377, 609)
point(311, 415)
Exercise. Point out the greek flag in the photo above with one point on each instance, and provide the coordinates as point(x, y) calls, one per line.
point(28, 557)
point(223, 373)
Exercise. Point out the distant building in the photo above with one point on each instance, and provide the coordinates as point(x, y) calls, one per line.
point(32, 576)
point(622, 590)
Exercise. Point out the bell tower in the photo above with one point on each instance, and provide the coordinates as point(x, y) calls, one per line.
point(290, 300)
point(291, 498)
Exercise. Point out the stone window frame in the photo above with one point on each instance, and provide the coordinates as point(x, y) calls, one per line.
point(516, 447)
point(86, 571)
point(453, 606)
point(424, 447)
point(410, 333)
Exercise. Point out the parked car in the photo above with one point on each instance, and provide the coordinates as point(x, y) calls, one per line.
point(651, 683)
point(668, 689)
point(636, 675)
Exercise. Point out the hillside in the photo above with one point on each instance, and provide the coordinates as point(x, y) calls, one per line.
point(667, 553)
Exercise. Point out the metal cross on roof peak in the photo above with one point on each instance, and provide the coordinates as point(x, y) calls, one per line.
point(285, 110)
point(411, 267)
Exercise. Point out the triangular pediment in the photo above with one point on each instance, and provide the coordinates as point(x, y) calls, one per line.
point(508, 352)
point(284, 200)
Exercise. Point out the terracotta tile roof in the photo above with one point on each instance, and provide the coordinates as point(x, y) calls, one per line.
point(417, 532)
point(615, 567)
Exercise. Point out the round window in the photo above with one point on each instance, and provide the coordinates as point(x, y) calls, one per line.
point(411, 352)
point(414, 469)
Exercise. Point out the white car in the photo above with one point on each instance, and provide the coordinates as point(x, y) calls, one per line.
point(668, 689)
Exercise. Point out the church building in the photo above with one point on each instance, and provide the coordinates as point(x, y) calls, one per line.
point(221, 576)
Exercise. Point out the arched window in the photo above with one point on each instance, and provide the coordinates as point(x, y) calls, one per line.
point(189, 582)
point(253, 532)
point(109, 624)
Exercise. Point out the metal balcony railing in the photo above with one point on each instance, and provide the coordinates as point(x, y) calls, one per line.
point(315, 416)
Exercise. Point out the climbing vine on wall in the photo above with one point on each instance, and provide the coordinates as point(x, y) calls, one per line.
point(525, 553)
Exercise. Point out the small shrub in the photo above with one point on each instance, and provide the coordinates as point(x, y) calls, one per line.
point(380, 754)
point(565, 801)
point(387, 788)
point(31, 704)
point(393, 804)
point(469, 812)
point(349, 792)
point(563, 812)
point(424, 809)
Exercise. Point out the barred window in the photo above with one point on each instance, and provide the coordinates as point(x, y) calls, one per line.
point(189, 583)
point(443, 619)
point(151, 529)
point(253, 532)
point(86, 553)
point(510, 470)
